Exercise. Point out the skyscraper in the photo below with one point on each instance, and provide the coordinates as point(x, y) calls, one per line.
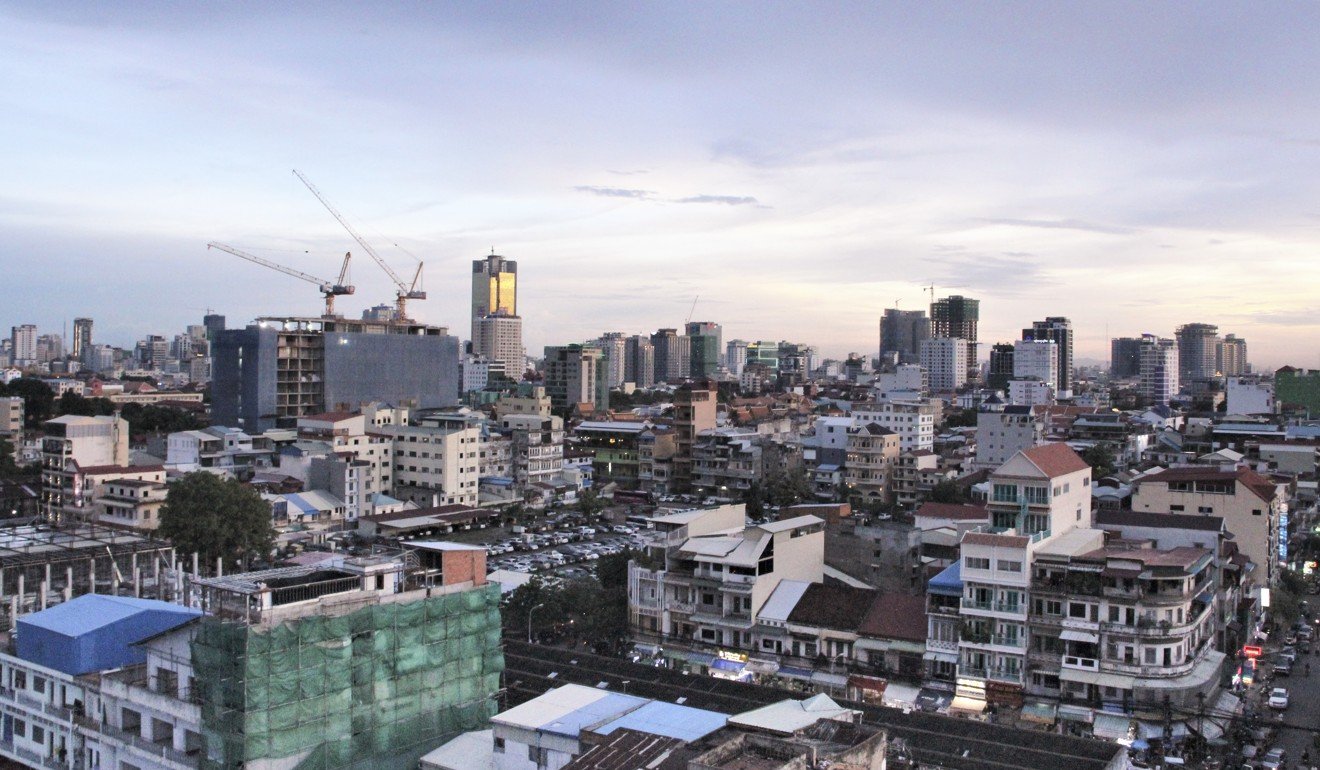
point(639, 361)
point(614, 362)
point(957, 317)
point(1001, 366)
point(945, 360)
point(82, 337)
point(1197, 347)
point(1159, 369)
point(1232, 356)
point(23, 350)
point(673, 355)
point(1036, 360)
point(571, 374)
point(1125, 357)
point(902, 332)
point(735, 356)
point(704, 340)
point(1058, 330)
point(496, 325)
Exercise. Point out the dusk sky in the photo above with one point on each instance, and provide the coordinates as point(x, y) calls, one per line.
point(800, 166)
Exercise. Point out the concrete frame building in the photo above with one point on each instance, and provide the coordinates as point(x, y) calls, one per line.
point(945, 360)
point(705, 341)
point(1037, 359)
point(901, 334)
point(1231, 356)
point(1159, 370)
point(572, 373)
point(1125, 357)
point(1198, 345)
point(23, 345)
point(1058, 330)
point(639, 361)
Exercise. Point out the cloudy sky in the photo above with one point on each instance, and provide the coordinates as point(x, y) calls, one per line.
point(799, 166)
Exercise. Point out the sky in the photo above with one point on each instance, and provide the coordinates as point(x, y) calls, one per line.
point(793, 169)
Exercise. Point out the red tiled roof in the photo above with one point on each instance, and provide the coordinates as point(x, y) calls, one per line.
point(1055, 459)
point(896, 616)
point(956, 511)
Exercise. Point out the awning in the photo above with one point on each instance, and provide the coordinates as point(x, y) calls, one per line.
point(757, 666)
point(943, 657)
point(828, 679)
point(1209, 728)
point(1120, 681)
point(1076, 713)
point(967, 704)
point(1151, 730)
point(720, 664)
point(795, 673)
point(1073, 635)
point(1228, 703)
point(1111, 726)
point(874, 684)
point(900, 695)
point(1043, 713)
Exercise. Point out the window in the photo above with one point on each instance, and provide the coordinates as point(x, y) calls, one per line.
point(20, 728)
point(976, 562)
point(1036, 495)
point(1205, 509)
point(499, 745)
point(1009, 566)
point(20, 680)
point(1177, 507)
point(38, 734)
point(1076, 610)
point(38, 684)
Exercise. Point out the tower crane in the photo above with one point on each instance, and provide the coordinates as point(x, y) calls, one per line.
point(330, 290)
point(405, 291)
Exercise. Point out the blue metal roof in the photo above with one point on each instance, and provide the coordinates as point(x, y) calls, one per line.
point(948, 580)
point(612, 705)
point(96, 632)
point(669, 720)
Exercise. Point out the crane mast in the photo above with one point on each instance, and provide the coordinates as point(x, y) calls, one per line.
point(404, 291)
point(329, 289)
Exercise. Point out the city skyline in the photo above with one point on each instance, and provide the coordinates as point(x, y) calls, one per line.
point(796, 170)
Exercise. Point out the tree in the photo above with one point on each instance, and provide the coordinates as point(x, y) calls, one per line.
point(38, 400)
point(947, 491)
point(590, 503)
point(790, 487)
point(8, 468)
point(215, 518)
point(1101, 459)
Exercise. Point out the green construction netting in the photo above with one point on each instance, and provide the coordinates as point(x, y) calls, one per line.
point(375, 688)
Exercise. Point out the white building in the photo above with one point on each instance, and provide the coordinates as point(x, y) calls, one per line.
point(1251, 395)
point(435, 465)
point(1036, 360)
point(500, 340)
point(1030, 393)
point(1002, 434)
point(906, 378)
point(912, 420)
point(946, 361)
point(1159, 369)
point(23, 346)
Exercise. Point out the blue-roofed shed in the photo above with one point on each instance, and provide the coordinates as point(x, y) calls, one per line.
point(949, 581)
point(95, 632)
point(612, 705)
point(669, 720)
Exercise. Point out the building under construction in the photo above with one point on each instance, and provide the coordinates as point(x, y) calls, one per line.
point(43, 565)
point(279, 369)
point(369, 663)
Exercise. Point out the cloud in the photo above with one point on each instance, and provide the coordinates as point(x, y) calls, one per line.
point(1000, 275)
point(1062, 224)
point(615, 192)
point(727, 200)
point(631, 172)
point(1307, 317)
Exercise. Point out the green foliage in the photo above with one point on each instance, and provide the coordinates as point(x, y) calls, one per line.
point(1101, 459)
point(154, 418)
point(947, 491)
point(72, 403)
point(215, 518)
point(963, 418)
point(38, 400)
point(589, 503)
point(8, 468)
point(789, 488)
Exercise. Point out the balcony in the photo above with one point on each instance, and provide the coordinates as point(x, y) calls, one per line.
point(973, 604)
point(684, 607)
point(1082, 664)
point(1013, 608)
point(1007, 641)
point(973, 673)
point(1003, 674)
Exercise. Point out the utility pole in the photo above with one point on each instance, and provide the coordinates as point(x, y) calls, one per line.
point(1168, 722)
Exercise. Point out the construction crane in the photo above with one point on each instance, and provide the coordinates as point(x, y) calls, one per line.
point(692, 311)
point(405, 291)
point(330, 290)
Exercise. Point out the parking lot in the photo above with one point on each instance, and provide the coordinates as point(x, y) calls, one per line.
point(568, 552)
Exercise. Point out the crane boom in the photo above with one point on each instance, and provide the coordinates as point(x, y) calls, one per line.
point(330, 290)
point(405, 291)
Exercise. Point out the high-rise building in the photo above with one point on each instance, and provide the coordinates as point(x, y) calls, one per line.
point(279, 369)
point(1231, 356)
point(902, 332)
point(1058, 330)
point(704, 340)
point(1001, 366)
point(639, 361)
point(673, 355)
point(82, 337)
point(571, 374)
point(50, 347)
point(735, 356)
point(695, 408)
point(955, 316)
point(1159, 369)
point(614, 358)
point(1197, 346)
point(1125, 357)
point(1036, 360)
point(945, 360)
point(213, 322)
point(499, 338)
point(494, 288)
point(23, 350)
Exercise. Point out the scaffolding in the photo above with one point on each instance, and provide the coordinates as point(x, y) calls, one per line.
point(376, 687)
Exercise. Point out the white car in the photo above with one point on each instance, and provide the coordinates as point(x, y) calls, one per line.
point(1279, 698)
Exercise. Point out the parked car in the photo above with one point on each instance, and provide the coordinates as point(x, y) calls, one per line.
point(1274, 759)
point(1283, 667)
point(1279, 698)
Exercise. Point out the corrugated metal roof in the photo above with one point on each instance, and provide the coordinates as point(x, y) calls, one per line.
point(566, 710)
point(789, 716)
point(670, 720)
point(89, 612)
point(782, 600)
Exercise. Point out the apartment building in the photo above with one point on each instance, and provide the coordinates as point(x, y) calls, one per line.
point(914, 475)
point(872, 451)
point(132, 503)
point(231, 450)
point(726, 462)
point(946, 361)
point(912, 420)
point(615, 449)
point(537, 447)
point(707, 577)
point(1002, 432)
point(11, 418)
point(435, 464)
point(695, 409)
point(1040, 494)
point(1253, 508)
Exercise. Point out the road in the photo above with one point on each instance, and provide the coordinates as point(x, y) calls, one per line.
point(1298, 727)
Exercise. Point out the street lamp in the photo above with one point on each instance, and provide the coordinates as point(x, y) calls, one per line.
point(529, 620)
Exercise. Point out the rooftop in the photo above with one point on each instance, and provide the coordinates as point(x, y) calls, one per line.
point(789, 716)
point(955, 511)
point(1055, 460)
point(669, 720)
point(1158, 520)
point(833, 606)
point(896, 616)
point(568, 709)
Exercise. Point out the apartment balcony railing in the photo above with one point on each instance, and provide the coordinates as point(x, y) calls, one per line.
point(973, 672)
point(974, 604)
point(1005, 674)
point(1007, 641)
point(1016, 608)
point(1084, 664)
